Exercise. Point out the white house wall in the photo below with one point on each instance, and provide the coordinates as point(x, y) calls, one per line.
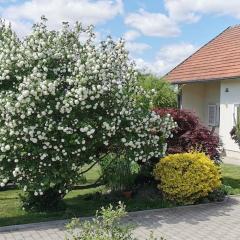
point(193, 98)
point(230, 95)
point(197, 96)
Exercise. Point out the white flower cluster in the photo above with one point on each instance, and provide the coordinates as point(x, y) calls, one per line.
point(64, 104)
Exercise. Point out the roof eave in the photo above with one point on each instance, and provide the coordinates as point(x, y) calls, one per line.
point(203, 80)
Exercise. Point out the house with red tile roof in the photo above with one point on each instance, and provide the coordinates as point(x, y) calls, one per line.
point(210, 84)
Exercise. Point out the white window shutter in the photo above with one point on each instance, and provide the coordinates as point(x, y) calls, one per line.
point(213, 115)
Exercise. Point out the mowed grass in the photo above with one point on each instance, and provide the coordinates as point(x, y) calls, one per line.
point(231, 177)
point(85, 202)
point(12, 213)
point(79, 203)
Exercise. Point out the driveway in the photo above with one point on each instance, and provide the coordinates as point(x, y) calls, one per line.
point(213, 221)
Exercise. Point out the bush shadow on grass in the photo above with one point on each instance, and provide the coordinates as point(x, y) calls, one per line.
point(29, 218)
point(150, 219)
point(86, 205)
point(234, 183)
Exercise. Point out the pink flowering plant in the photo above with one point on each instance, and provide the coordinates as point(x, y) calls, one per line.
point(67, 102)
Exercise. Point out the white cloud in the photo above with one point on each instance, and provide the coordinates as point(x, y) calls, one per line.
point(137, 47)
point(131, 35)
point(133, 47)
point(57, 11)
point(167, 58)
point(152, 24)
point(192, 10)
point(179, 11)
point(22, 28)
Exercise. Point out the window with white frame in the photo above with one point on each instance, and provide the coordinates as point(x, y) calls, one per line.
point(213, 115)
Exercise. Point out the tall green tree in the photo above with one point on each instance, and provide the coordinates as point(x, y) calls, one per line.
point(161, 93)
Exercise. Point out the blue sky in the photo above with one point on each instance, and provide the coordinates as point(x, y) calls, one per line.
point(159, 33)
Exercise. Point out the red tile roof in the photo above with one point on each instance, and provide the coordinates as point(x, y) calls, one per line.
point(218, 59)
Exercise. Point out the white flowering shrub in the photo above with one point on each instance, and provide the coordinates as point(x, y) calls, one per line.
point(65, 103)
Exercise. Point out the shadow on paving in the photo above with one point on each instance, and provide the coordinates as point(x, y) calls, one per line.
point(187, 214)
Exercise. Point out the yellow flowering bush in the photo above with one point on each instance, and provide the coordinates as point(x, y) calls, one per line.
point(187, 177)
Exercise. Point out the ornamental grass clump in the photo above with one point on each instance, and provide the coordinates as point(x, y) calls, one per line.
point(119, 174)
point(186, 177)
point(65, 103)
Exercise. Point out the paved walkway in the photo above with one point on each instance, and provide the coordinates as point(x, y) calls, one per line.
point(230, 160)
point(215, 221)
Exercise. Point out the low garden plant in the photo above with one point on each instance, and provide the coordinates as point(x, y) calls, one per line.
point(235, 132)
point(187, 177)
point(106, 225)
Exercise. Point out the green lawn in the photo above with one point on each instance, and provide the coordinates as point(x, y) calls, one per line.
point(231, 177)
point(85, 202)
point(79, 203)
